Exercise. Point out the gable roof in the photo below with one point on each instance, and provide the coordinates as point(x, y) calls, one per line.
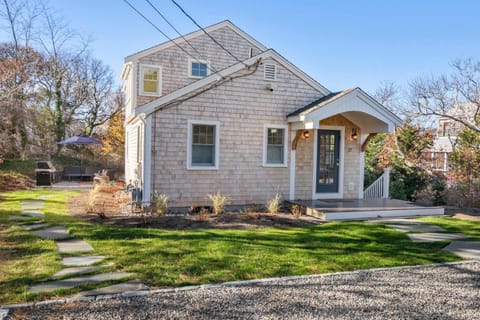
point(352, 103)
point(192, 35)
point(270, 53)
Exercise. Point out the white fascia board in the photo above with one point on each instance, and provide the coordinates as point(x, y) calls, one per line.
point(192, 35)
point(153, 105)
point(126, 69)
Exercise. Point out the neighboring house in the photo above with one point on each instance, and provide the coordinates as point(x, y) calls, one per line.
point(249, 129)
point(447, 132)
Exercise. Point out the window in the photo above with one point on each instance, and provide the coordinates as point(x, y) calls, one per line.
point(274, 150)
point(203, 144)
point(151, 80)
point(270, 72)
point(197, 68)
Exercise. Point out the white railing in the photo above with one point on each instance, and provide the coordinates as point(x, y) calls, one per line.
point(379, 188)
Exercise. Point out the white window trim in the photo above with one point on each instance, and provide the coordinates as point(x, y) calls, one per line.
point(189, 144)
point(160, 73)
point(265, 143)
point(190, 61)
point(333, 195)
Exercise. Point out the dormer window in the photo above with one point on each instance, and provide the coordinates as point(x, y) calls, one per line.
point(151, 80)
point(197, 69)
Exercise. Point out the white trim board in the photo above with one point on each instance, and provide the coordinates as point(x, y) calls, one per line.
point(157, 103)
point(195, 34)
point(339, 194)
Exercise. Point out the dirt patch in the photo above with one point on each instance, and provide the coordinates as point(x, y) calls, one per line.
point(229, 220)
point(464, 214)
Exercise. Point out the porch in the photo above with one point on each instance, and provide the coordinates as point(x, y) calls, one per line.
point(363, 209)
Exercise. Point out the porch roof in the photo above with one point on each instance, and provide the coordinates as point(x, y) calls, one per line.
point(354, 104)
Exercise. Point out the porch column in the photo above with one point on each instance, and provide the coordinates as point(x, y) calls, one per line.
point(293, 134)
point(386, 183)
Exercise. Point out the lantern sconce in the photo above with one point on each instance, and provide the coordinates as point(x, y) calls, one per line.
point(305, 134)
point(354, 134)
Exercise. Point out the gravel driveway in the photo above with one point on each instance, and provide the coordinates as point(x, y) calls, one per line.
point(430, 292)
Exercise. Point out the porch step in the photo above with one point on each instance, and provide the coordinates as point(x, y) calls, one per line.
point(373, 214)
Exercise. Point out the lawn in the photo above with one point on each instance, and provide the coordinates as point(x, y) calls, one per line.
point(165, 258)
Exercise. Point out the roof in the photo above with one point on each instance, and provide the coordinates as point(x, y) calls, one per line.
point(270, 53)
point(192, 35)
point(353, 103)
point(320, 102)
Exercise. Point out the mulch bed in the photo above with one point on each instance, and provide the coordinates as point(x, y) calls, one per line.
point(228, 220)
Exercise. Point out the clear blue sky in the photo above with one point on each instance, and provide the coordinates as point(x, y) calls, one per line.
point(341, 44)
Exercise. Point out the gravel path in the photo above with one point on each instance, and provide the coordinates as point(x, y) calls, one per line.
point(429, 292)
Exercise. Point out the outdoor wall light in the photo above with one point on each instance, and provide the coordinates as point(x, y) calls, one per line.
point(306, 134)
point(354, 134)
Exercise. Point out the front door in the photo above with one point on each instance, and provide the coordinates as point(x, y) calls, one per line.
point(328, 161)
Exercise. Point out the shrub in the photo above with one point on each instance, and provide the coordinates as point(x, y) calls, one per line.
point(273, 205)
point(92, 204)
point(160, 203)
point(219, 201)
point(203, 214)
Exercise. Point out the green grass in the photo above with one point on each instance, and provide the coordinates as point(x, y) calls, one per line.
point(25, 167)
point(164, 258)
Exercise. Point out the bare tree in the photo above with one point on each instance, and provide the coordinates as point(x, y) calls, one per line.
point(455, 96)
point(100, 105)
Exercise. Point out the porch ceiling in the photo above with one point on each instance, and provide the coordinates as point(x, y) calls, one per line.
point(353, 104)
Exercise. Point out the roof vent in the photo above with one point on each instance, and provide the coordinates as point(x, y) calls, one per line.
point(270, 72)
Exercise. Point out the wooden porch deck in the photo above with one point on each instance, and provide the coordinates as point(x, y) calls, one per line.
point(363, 209)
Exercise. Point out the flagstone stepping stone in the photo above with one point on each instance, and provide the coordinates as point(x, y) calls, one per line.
point(33, 226)
point(465, 249)
point(77, 281)
point(34, 213)
point(434, 237)
point(79, 270)
point(132, 285)
point(422, 227)
point(16, 217)
point(73, 246)
point(53, 233)
point(32, 204)
point(81, 260)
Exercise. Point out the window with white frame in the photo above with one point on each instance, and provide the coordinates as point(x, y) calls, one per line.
point(274, 149)
point(203, 144)
point(151, 84)
point(197, 68)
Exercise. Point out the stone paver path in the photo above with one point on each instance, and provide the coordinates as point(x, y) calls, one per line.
point(77, 281)
point(15, 217)
point(53, 233)
point(34, 213)
point(73, 271)
point(34, 226)
point(434, 237)
point(81, 260)
point(421, 227)
point(73, 246)
point(465, 249)
point(132, 285)
point(77, 269)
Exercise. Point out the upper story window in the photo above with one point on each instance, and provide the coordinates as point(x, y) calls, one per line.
point(151, 77)
point(203, 144)
point(197, 68)
point(274, 146)
point(270, 72)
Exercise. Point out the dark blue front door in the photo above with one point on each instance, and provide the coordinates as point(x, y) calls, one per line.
point(328, 161)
